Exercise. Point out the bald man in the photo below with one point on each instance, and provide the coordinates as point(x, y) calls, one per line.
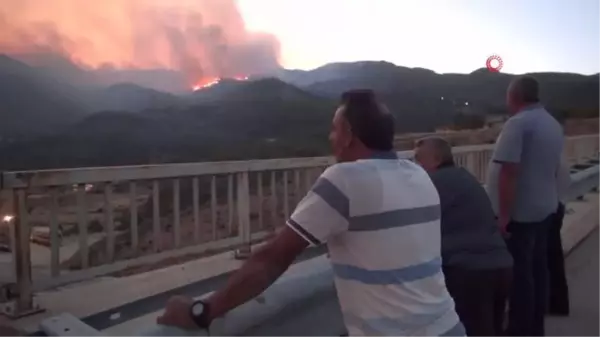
point(522, 180)
point(476, 263)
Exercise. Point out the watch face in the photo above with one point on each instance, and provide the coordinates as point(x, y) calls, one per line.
point(198, 309)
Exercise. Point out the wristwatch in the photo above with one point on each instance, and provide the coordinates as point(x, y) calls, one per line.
point(199, 313)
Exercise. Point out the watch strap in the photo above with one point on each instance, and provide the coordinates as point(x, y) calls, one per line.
point(201, 320)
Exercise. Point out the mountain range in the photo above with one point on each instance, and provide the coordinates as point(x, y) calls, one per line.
point(75, 117)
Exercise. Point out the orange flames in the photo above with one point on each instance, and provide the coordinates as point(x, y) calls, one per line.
point(206, 83)
point(203, 39)
point(215, 80)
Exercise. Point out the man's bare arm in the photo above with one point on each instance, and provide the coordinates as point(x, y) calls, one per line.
point(507, 185)
point(261, 270)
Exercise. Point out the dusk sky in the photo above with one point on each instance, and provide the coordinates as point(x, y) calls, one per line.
point(445, 36)
point(207, 39)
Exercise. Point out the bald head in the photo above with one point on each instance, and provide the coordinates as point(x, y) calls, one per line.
point(431, 152)
point(522, 91)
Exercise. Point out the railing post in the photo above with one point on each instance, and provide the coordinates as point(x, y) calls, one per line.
point(23, 305)
point(243, 212)
point(569, 151)
point(471, 163)
point(481, 165)
point(580, 152)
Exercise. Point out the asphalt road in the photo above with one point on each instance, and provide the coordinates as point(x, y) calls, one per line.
point(582, 273)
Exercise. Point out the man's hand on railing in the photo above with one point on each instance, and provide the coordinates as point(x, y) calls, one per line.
point(177, 313)
point(176, 320)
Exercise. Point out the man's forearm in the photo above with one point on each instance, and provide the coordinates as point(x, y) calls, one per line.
point(256, 275)
point(507, 185)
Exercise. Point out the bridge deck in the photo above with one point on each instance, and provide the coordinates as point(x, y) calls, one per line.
point(582, 272)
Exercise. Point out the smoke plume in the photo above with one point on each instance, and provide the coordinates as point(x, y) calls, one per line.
point(203, 39)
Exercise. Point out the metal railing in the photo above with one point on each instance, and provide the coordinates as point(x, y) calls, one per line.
point(98, 221)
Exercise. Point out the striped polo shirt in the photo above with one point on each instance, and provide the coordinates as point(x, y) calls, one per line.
point(380, 218)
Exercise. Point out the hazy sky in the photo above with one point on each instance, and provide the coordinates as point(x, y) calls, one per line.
point(442, 35)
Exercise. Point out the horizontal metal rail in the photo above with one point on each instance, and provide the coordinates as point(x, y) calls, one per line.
point(40, 178)
point(582, 182)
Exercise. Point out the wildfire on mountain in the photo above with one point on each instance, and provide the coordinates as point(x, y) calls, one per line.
point(212, 81)
point(202, 39)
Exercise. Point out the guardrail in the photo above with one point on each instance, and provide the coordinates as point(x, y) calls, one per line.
point(302, 281)
point(99, 221)
point(583, 181)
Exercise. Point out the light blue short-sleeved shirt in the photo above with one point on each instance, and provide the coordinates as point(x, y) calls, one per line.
point(534, 140)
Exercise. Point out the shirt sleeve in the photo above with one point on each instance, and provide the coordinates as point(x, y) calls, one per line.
point(323, 213)
point(509, 145)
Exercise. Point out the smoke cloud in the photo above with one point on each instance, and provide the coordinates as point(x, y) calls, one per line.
point(203, 39)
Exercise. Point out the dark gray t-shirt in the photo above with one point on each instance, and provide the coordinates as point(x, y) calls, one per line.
point(471, 238)
point(533, 139)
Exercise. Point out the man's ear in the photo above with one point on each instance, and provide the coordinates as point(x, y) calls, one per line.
point(349, 140)
point(348, 136)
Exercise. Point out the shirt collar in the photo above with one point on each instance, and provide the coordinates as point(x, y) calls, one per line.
point(384, 155)
point(532, 106)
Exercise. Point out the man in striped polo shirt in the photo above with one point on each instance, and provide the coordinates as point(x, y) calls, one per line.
point(380, 218)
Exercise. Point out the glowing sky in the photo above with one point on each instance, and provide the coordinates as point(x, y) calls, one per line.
point(445, 36)
point(204, 39)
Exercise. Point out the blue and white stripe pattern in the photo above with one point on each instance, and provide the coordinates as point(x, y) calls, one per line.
point(380, 218)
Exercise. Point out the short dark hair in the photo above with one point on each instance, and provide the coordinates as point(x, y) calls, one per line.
point(527, 89)
point(369, 120)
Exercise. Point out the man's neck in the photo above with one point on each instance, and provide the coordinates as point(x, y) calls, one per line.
point(449, 163)
point(528, 106)
point(365, 153)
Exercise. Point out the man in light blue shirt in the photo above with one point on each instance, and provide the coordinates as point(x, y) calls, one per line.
point(522, 184)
